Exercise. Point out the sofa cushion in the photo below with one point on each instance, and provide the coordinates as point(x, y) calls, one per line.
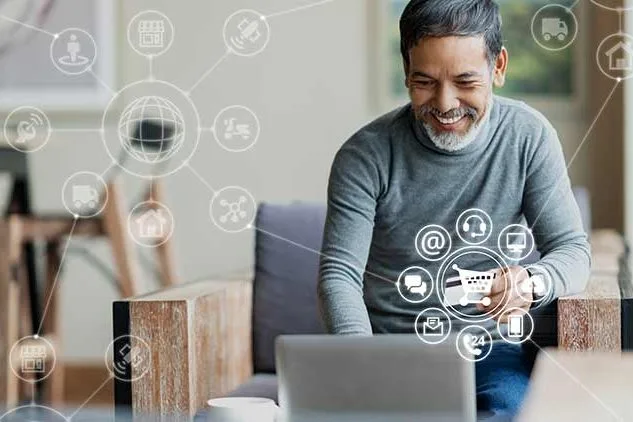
point(287, 243)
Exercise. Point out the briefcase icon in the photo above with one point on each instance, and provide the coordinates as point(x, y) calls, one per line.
point(433, 327)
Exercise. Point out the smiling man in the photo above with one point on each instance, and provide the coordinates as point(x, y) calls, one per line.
point(456, 146)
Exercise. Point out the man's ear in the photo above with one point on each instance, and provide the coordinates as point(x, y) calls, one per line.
point(501, 67)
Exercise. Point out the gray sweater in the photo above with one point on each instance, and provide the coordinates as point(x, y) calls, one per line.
point(389, 180)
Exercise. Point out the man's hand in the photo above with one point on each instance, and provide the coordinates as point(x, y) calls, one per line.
point(506, 289)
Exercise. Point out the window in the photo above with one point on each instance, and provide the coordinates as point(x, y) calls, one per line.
point(533, 70)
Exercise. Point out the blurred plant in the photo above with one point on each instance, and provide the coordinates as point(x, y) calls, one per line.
point(532, 69)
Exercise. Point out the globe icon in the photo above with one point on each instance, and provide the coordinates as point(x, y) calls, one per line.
point(151, 129)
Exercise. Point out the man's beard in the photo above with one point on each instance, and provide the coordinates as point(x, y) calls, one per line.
point(452, 141)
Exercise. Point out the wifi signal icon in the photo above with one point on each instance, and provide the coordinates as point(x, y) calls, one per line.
point(238, 42)
point(27, 128)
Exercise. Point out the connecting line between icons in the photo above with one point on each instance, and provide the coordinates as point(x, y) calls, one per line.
point(318, 253)
point(297, 9)
point(150, 59)
point(91, 396)
point(620, 21)
point(202, 179)
point(571, 161)
point(76, 130)
point(209, 71)
point(107, 170)
point(52, 291)
point(26, 25)
point(577, 381)
point(102, 82)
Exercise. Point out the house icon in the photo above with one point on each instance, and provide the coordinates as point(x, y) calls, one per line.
point(151, 225)
point(620, 57)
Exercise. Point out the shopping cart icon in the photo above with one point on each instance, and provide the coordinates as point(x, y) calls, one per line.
point(476, 285)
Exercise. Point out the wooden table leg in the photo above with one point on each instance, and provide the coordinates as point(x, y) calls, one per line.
point(54, 388)
point(27, 325)
point(10, 245)
point(115, 225)
point(165, 256)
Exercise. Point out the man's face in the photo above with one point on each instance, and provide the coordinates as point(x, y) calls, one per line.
point(450, 82)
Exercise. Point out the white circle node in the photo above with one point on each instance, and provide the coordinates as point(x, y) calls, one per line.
point(73, 51)
point(246, 33)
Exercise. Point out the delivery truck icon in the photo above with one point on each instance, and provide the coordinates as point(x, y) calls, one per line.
point(554, 28)
point(85, 197)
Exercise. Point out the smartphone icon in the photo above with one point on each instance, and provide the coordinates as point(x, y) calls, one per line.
point(515, 323)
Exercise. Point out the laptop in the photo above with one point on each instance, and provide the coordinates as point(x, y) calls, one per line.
point(388, 377)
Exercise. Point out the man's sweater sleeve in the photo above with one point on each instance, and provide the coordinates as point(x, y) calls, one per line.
point(551, 210)
point(353, 190)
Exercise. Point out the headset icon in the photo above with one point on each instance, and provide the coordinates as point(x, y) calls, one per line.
point(482, 226)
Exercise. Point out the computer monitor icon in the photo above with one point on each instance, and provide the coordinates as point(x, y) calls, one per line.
point(516, 242)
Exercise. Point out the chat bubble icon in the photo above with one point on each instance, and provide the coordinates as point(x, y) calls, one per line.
point(412, 280)
point(414, 283)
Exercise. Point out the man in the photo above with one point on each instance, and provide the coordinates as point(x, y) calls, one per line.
point(456, 146)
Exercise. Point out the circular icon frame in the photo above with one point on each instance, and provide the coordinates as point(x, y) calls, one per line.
point(216, 131)
point(49, 347)
point(148, 207)
point(629, 72)
point(464, 221)
point(472, 350)
point(85, 66)
point(441, 277)
point(248, 197)
point(529, 239)
point(522, 338)
point(567, 11)
point(37, 116)
point(160, 50)
point(87, 195)
point(111, 135)
point(33, 406)
point(446, 330)
point(613, 9)
point(234, 45)
point(113, 369)
point(539, 272)
point(429, 289)
point(421, 240)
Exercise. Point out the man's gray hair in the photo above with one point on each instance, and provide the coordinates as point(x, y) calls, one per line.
point(443, 18)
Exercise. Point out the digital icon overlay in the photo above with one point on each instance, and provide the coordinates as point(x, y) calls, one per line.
point(474, 343)
point(415, 284)
point(128, 358)
point(433, 325)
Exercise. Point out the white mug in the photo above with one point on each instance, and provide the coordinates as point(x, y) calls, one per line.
point(242, 409)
